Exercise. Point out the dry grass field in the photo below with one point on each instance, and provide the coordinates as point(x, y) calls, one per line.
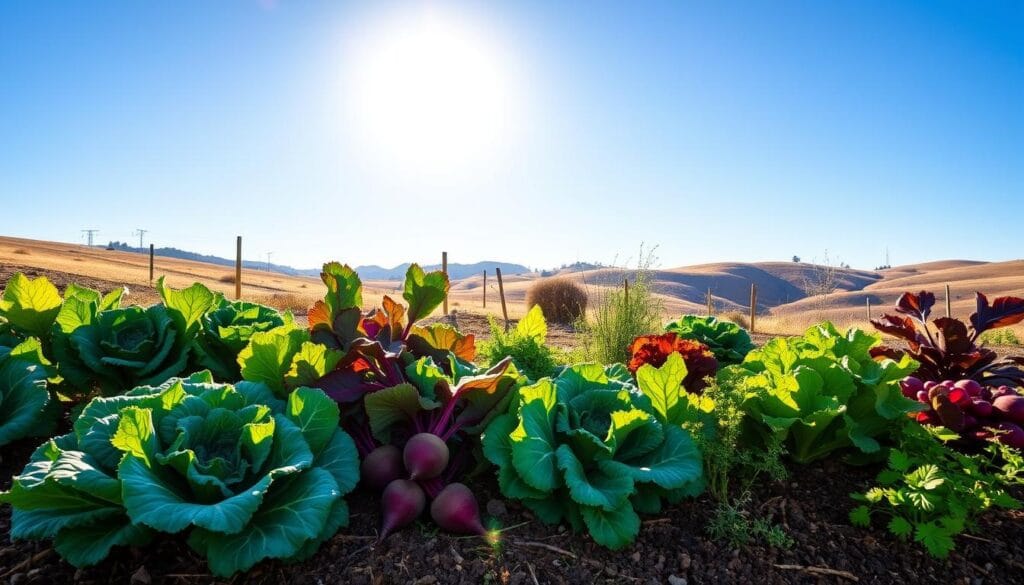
point(783, 304)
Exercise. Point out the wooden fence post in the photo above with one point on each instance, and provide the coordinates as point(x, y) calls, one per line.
point(711, 309)
point(753, 305)
point(501, 292)
point(868, 302)
point(485, 289)
point(238, 268)
point(444, 268)
point(625, 291)
point(949, 308)
point(151, 264)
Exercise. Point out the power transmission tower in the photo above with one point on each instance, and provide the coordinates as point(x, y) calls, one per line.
point(89, 234)
point(140, 232)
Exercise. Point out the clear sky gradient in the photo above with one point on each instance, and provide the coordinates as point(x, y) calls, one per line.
point(718, 131)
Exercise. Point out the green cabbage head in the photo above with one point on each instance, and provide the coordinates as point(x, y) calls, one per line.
point(595, 452)
point(728, 341)
point(99, 346)
point(245, 475)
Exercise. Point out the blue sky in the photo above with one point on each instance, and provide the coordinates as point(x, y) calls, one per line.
point(715, 130)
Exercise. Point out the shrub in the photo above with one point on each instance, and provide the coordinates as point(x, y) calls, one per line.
point(619, 318)
point(738, 318)
point(227, 278)
point(562, 300)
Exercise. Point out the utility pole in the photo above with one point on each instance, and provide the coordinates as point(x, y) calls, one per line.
point(140, 232)
point(89, 234)
point(269, 254)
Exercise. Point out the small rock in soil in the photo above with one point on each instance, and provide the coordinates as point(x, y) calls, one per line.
point(141, 576)
point(428, 580)
point(675, 580)
point(496, 508)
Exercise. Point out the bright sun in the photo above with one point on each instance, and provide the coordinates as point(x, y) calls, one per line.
point(429, 93)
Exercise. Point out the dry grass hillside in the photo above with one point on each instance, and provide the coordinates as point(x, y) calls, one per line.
point(783, 302)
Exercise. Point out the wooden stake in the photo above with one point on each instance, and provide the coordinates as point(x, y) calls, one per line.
point(753, 305)
point(501, 293)
point(444, 268)
point(868, 302)
point(625, 291)
point(151, 264)
point(238, 269)
point(949, 309)
point(711, 309)
point(485, 289)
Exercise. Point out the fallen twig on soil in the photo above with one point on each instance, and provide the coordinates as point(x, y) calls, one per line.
point(819, 571)
point(28, 562)
point(532, 574)
point(545, 546)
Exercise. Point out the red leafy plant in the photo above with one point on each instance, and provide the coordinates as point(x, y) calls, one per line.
point(655, 349)
point(952, 351)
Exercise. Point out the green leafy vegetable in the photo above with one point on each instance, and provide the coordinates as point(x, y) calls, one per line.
point(218, 329)
point(30, 306)
point(822, 391)
point(117, 348)
point(526, 345)
point(728, 341)
point(249, 476)
point(593, 451)
point(27, 408)
point(931, 493)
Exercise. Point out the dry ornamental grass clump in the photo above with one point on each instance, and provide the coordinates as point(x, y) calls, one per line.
point(561, 300)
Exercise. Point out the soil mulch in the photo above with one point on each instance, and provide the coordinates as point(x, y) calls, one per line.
point(672, 547)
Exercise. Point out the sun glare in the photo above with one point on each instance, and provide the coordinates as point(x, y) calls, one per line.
point(429, 93)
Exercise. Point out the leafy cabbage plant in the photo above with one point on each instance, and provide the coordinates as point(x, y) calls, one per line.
point(823, 391)
point(29, 306)
point(27, 408)
point(99, 345)
point(247, 475)
point(218, 329)
point(728, 341)
point(595, 451)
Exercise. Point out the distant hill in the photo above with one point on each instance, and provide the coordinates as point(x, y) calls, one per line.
point(370, 272)
point(455, 271)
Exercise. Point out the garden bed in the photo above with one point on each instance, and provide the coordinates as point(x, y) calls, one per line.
point(672, 547)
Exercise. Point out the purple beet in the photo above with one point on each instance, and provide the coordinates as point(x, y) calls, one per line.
point(1010, 434)
point(1010, 406)
point(382, 466)
point(425, 455)
point(401, 503)
point(982, 408)
point(970, 386)
point(455, 509)
point(911, 386)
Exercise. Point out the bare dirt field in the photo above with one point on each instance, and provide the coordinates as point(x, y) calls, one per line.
point(784, 306)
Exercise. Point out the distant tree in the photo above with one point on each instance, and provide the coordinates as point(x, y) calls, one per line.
point(796, 258)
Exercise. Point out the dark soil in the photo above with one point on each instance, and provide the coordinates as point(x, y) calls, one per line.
point(672, 548)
